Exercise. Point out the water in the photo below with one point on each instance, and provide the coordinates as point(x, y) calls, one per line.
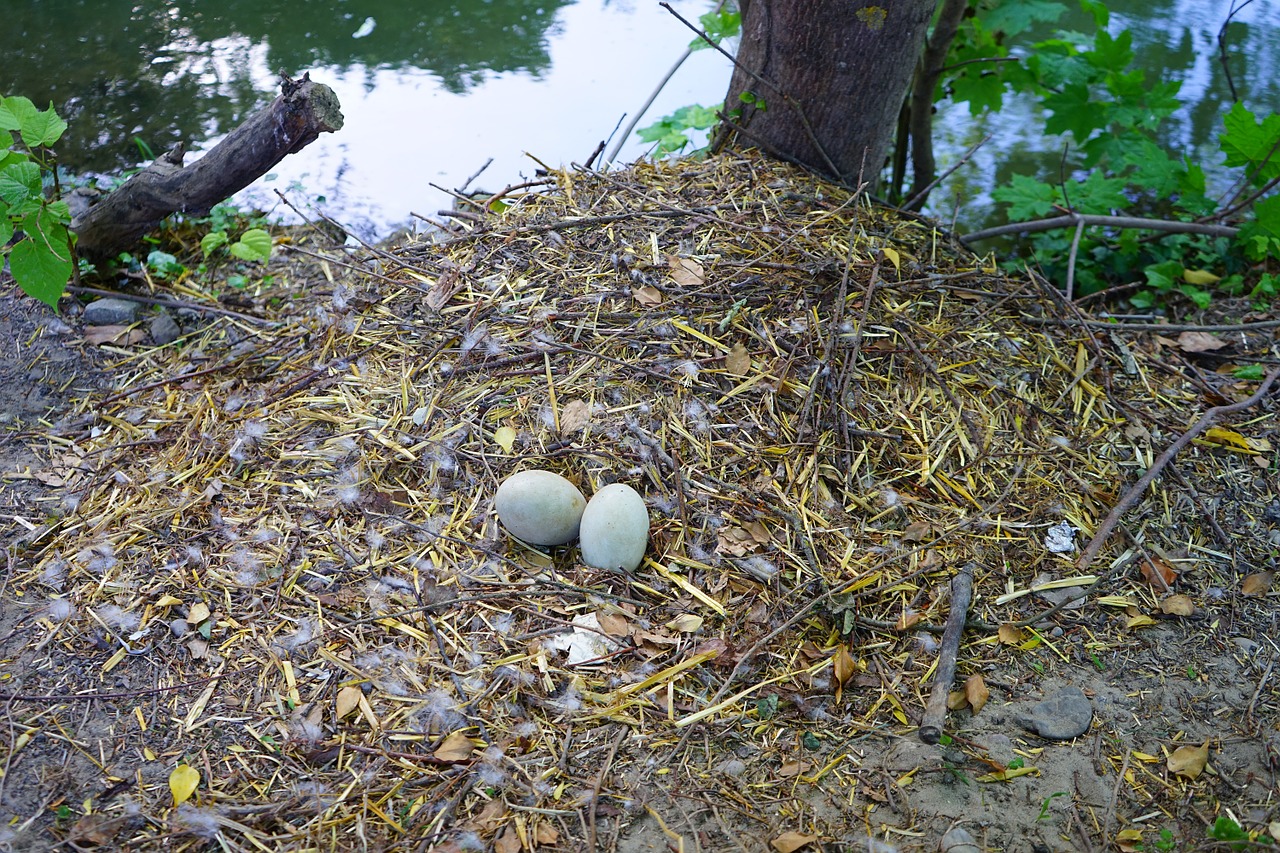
point(431, 89)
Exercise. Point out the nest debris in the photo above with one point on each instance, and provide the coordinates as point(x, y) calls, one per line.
point(280, 564)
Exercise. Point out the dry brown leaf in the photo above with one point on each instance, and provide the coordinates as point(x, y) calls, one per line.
point(508, 841)
point(788, 842)
point(491, 816)
point(843, 665)
point(907, 620)
point(976, 692)
point(738, 360)
point(956, 700)
point(1200, 342)
point(348, 700)
point(1257, 584)
point(545, 834)
point(118, 335)
point(456, 747)
point(1010, 634)
point(793, 767)
point(685, 272)
point(740, 541)
point(648, 296)
point(198, 613)
point(443, 290)
point(95, 830)
point(574, 417)
point(917, 531)
point(1188, 761)
point(1178, 605)
point(1158, 573)
point(614, 624)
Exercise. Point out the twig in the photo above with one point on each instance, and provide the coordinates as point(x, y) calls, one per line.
point(935, 711)
point(463, 189)
point(644, 108)
point(1153, 327)
point(1070, 219)
point(1135, 492)
point(919, 197)
point(173, 303)
point(1071, 260)
point(595, 789)
point(1248, 713)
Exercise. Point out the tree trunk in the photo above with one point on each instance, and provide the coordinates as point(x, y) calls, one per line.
point(923, 166)
point(832, 81)
point(293, 121)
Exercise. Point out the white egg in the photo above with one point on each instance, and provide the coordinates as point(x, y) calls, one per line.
point(615, 529)
point(539, 507)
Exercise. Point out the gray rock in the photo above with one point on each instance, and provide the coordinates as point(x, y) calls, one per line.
point(958, 840)
point(1063, 716)
point(111, 312)
point(164, 329)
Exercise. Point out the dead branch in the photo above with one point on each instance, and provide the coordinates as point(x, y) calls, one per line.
point(935, 712)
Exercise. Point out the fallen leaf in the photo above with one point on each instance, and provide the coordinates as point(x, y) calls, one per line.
point(545, 834)
point(505, 436)
point(1257, 584)
point(95, 830)
point(182, 783)
point(843, 665)
point(685, 272)
point(1140, 620)
point(1235, 441)
point(120, 335)
point(917, 531)
point(793, 767)
point(1200, 278)
point(1178, 605)
point(490, 817)
point(508, 841)
point(976, 692)
point(456, 747)
point(956, 700)
point(348, 700)
point(1188, 761)
point(1129, 840)
point(574, 417)
point(788, 842)
point(685, 623)
point(1158, 573)
point(648, 296)
point(1200, 342)
point(738, 360)
point(1007, 775)
point(167, 601)
point(893, 256)
point(1010, 634)
point(614, 624)
point(198, 613)
point(907, 620)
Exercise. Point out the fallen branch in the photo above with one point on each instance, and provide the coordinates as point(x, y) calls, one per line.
point(935, 712)
point(1076, 220)
point(1135, 492)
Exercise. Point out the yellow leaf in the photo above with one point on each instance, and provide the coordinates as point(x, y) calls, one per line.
point(348, 700)
point(975, 690)
point(182, 783)
point(842, 665)
point(789, 842)
point(456, 747)
point(1010, 634)
point(1199, 277)
point(1140, 620)
point(1235, 441)
point(685, 623)
point(167, 600)
point(894, 258)
point(738, 361)
point(1006, 775)
point(1189, 761)
point(505, 437)
point(198, 613)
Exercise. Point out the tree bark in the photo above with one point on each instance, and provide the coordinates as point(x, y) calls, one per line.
point(832, 80)
point(293, 121)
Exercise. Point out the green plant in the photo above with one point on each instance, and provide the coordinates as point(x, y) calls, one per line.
point(41, 259)
point(1044, 804)
point(253, 245)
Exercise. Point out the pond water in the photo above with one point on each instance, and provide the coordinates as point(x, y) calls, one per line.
point(432, 89)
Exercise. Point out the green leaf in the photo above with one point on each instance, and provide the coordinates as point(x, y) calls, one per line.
point(44, 127)
point(1016, 16)
point(1027, 198)
point(19, 182)
point(1249, 371)
point(718, 26)
point(1246, 142)
point(1073, 111)
point(211, 241)
point(6, 139)
point(1164, 276)
point(6, 227)
point(40, 271)
point(1261, 235)
point(1111, 54)
point(1097, 8)
point(14, 111)
point(984, 91)
point(253, 245)
point(1099, 194)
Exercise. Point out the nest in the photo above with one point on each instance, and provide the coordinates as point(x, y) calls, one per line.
point(280, 565)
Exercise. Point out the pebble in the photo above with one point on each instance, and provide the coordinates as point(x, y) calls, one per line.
point(111, 312)
point(958, 840)
point(1063, 716)
point(164, 329)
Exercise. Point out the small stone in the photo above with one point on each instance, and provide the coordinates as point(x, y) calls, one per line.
point(164, 329)
point(1063, 716)
point(111, 312)
point(999, 747)
point(958, 840)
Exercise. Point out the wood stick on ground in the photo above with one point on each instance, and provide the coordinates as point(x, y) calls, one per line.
point(1136, 491)
point(935, 712)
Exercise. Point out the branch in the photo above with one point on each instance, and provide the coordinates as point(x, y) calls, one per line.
point(1075, 219)
point(1134, 494)
point(923, 165)
point(935, 712)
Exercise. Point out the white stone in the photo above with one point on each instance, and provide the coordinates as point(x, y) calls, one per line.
point(539, 507)
point(615, 529)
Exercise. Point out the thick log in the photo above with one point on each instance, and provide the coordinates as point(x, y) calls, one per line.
point(293, 121)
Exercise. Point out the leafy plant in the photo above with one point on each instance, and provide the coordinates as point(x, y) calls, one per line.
point(671, 132)
point(1045, 803)
point(41, 259)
